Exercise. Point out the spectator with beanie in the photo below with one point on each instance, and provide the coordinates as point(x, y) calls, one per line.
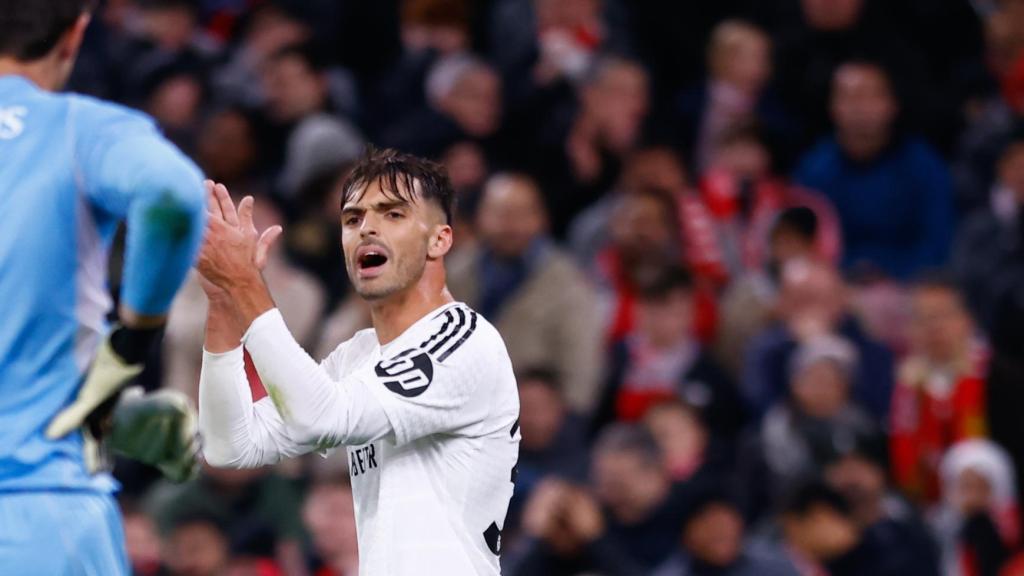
point(535, 295)
point(893, 193)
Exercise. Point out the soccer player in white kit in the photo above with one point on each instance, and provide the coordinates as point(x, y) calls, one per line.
point(425, 402)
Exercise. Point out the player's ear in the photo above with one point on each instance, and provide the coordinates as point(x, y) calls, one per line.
point(440, 241)
point(72, 40)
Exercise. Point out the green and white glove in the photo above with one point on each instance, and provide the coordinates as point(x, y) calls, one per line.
point(160, 429)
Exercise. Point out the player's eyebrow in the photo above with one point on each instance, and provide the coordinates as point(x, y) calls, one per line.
point(385, 206)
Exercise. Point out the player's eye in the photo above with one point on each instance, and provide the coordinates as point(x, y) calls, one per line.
point(351, 220)
point(395, 214)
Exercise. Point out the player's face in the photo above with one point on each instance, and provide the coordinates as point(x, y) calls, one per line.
point(385, 241)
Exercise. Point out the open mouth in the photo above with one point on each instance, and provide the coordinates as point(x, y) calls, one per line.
point(371, 261)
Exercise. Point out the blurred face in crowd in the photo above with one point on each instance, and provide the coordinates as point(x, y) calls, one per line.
point(175, 102)
point(941, 327)
point(831, 15)
point(226, 150)
point(474, 102)
point(292, 88)
point(566, 13)
point(821, 389)
point(680, 435)
point(973, 492)
point(541, 413)
point(617, 100)
point(1011, 170)
point(329, 514)
point(863, 109)
point(196, 549)
point(642, 228)
point(715, 535)
point(272, 29)
point(654, 168)
point(822, 533)
point(786, 245)
point(387, 242)
point(142, 542)
point(862, 482)
point(629, 484)
point(743, 158)
point(812, 299)
point(666, 320)
point(170, 27)
point(466, 166)
point(511, 215)
point(741, 57)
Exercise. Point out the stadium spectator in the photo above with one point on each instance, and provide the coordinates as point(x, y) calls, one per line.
point(892, 191)
point(553, 442)
point(714, 543)
point(985, 255)
point(748, 302)
point(229, 150)
point(536, 296)
point(812, 301)
point(735, 92)
point(142, 541)
point(316, 142)
point(940, 395)
point(197, 545)
point(796, 437)
point(463, 101)
point(582, 148)
point(175, 96)
point(818, 533)
point(725, 224)
point(329, 514)
point(895, 541)
point(978, 524)
point(690, 453)
point(661, 359)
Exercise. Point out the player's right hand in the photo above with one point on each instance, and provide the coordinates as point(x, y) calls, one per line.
point(160, 429)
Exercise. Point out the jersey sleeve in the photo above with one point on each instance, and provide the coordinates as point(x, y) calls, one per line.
point(431, 389)
point(128, 170)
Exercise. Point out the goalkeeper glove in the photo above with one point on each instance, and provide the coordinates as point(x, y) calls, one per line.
point(99, 411)
point(159, 429)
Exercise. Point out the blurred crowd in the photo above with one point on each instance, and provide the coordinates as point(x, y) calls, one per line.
point(759, 265)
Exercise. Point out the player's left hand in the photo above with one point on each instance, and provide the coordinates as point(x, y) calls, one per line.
point(160, 429)
point(233, 250)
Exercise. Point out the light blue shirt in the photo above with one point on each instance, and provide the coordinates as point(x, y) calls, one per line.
point(71, 169)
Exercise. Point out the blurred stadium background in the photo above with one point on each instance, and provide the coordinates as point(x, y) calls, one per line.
point(759, 265)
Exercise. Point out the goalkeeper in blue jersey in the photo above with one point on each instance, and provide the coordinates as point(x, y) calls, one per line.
point(72, 168)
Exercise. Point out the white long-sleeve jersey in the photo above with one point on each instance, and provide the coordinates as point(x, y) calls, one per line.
point(430, 421)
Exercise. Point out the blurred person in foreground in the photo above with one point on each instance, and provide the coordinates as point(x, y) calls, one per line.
point(895, 541)
point(661, 359)
point(329, 515)
point(797, 436)
point(978, 521)
point(540, 301)
point(940, 395)
point(819, 535)
point(714, 543)
point(73, 169)
point(813, 302)
point(892, 191)
point(425, 402)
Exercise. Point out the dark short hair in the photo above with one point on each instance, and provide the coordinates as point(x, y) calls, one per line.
point(799, 220)
point(623, 438)
point(667, 281)
point(810, 494)
point(309, 53)
point(30, 29)
point(398, 173)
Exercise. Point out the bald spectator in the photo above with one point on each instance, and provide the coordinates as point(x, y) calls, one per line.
point(812, 302)
point(538, 299)
point(892, 191)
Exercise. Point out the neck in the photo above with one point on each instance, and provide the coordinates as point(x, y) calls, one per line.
point(39, 72)
point(395, 314)
point(863, 147)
